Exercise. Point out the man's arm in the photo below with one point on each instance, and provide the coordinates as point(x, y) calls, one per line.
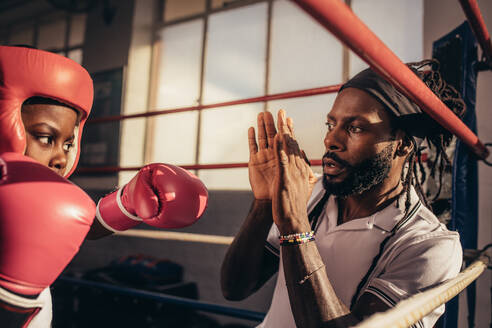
point(248, 264)
point(313, 300)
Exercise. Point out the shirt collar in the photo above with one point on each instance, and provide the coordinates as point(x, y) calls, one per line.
point(385, 219)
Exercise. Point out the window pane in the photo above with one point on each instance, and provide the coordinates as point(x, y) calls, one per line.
point(174, 139)
point(76, 55)
point(175, 9)
point(235, 61)
point(225, 179)
point(23, 36)
point(309, 116)
point(401, 31)
point(303, 55)
point(224, 133)
point(52, 35)
point(179, 65)
point(77, 30)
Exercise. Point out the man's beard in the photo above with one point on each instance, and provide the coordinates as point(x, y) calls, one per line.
point(362, 176)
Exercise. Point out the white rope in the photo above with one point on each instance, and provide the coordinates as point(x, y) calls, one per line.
point(180, 236)
point(411, 310)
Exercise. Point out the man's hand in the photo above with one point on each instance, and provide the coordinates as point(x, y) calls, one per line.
point(261, 166)
point(262, 161)
point(293, 181)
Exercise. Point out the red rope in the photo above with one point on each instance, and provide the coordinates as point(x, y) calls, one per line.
point(114, 169)
point(337, 17)
point(284, 95)
point(474, 16)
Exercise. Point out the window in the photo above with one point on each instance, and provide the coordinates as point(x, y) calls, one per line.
point(216, 51)
point(59, 33)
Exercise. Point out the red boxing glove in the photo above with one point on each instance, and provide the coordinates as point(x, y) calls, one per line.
point(44, 219)
point(161, 195)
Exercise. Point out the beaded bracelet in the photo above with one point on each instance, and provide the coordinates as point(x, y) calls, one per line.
point(296, 238)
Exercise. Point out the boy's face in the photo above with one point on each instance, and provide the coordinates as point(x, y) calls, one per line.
point(49, 134)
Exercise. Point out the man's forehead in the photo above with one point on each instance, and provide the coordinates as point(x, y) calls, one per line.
point(352, 104)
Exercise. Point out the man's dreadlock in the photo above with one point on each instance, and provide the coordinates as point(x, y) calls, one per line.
point(438, 138)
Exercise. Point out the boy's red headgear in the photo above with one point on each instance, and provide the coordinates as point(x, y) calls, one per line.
point(26, 73)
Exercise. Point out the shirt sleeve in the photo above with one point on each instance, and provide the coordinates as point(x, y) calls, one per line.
point(419, 266)
point(272, 242)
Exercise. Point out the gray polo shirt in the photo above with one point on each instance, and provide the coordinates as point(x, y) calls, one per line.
point(421, 253)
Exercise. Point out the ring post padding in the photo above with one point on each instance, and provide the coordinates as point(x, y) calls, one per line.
point(474, 17)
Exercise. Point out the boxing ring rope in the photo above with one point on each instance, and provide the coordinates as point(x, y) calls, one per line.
point(177, 236)
point(339, 19)
point(276, 96)
point(168, 299)
point(474, 17)
point(411, 310)
point(112, 169)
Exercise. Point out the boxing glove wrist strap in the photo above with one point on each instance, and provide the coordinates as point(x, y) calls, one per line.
point(112, 215)
point(19, 301)
point(17, 310)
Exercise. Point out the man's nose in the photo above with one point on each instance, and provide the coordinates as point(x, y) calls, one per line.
point(333, 140)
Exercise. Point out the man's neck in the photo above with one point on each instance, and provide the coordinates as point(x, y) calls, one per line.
point(369, 202)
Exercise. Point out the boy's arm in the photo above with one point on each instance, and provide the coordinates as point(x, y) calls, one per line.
point(160, 195)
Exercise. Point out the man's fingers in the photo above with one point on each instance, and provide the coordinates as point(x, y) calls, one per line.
point(280, 152)
point(290, 125)
point(269, 127)
point(305, 158)
point(262, 138)
point(282, 123)
point(253, 147)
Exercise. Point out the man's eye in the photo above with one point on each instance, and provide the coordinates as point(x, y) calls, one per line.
point(354, 129)
point(67, 146)
point(330, 126)
point(45, 140)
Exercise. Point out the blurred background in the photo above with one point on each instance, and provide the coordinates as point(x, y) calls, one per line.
point(158, 55)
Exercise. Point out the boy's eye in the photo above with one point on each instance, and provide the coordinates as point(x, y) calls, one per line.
point(67, 146)
point(45, 140)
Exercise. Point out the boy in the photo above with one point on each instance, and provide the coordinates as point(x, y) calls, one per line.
point(45, 100)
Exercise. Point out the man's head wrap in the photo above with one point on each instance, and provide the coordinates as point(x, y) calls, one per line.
point(408, 116)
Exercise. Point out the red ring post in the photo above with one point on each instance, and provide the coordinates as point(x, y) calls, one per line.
point(339, 19)
point(474, 17)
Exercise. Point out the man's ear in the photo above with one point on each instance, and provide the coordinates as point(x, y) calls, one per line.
point(405, 145)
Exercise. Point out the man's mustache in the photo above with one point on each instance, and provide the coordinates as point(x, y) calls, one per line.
point(337, 159)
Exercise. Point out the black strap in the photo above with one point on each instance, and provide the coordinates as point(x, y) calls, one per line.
point(317, 210)
point(376, 258)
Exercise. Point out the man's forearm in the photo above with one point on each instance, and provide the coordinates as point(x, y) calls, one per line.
point(243, 267)
point(312, 297)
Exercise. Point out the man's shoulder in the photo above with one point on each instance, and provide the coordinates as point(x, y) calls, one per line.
point(423, 232)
